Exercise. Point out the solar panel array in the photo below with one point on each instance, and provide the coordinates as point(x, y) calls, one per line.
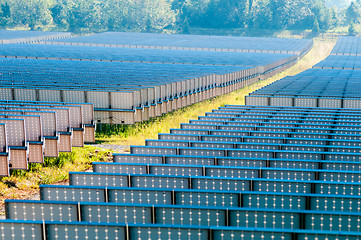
point(347, 46)
point(340, 62)
point(40, 51)
point(31, 131)
point(10, 36)
point(239, 172)
point(334, 82)
point(192, 42)
point(140, 83)
point(130, 92)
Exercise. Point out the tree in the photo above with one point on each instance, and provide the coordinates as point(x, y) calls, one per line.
point(115, 14)
point(171, 15)
point(5, 13)
point(277, 10)
point(353, 12)
point(180, 8)
point(84, 15)
point(259, 15)
point(352, 30)
point(335, 17)
point(316, 27)
point(59, 14)
point(32, 13)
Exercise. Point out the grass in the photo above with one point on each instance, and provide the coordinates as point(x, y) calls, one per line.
point(127, 135)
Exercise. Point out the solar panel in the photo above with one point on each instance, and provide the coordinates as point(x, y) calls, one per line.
point(34, 136)
point(4, 156)
point(17, 144)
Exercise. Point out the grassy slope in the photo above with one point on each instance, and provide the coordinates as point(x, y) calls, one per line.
point(136, 135)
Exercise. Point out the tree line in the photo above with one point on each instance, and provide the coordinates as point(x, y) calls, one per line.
point(174, 15)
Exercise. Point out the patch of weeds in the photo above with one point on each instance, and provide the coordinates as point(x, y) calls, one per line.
point(61, 160)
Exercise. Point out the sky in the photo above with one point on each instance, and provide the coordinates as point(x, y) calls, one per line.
point(338, 3)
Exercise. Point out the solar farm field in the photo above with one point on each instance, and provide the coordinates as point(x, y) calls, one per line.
point(80, 86)
point(284, 166)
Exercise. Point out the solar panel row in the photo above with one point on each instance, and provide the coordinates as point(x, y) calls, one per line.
point(181, 215)
point(10, 37)
point(34, 130)
point(234, 172)
point(71, 230)
point(138, 55)
point(239, 162)
point(200, 197)
point(333, 82)
point(340, 62)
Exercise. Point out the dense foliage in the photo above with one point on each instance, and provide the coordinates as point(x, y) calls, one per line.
point(174, 15)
